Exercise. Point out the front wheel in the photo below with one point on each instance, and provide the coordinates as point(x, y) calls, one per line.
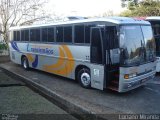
point(84, 78)
point(25, 63)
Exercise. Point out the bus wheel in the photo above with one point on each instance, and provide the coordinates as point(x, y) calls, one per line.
point(84, 78)
point(25, 63)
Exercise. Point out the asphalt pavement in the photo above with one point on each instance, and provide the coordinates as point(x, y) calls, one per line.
point(20, 102)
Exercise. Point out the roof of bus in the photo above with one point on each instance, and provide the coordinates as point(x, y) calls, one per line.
point(153, 18)
point(115, 20)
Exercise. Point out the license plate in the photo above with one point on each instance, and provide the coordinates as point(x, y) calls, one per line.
point(143, 80)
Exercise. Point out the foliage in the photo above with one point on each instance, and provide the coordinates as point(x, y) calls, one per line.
point(144, 8)
point(126, 13)
point(3, 46)
point(131, 2)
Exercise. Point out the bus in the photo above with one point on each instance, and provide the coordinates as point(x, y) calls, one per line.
point(155, 23)
point(116, 53)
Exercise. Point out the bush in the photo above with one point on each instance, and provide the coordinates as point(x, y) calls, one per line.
point(3, 46)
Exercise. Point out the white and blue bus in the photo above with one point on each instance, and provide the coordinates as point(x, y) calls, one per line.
point(117, 53)
point(155, 23)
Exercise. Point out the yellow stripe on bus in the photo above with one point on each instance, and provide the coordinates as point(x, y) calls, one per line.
point(59, 63)
point(67, 68)
point(30, 57)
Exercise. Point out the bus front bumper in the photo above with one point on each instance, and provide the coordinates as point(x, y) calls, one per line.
point(138, 81)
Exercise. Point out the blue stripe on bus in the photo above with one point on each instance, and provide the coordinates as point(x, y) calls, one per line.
point(14, 46)
point(35, 63)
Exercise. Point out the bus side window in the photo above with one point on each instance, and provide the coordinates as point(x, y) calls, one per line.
point(68, 34)
point(15, 35)
point(26, 35)
point(18, 36)
point(44, 34)
point(22, 35)
point(111, 36)
point(79, 34)
point(59, 34)
point(87, 33)
point(35, 34)
point(51, 34)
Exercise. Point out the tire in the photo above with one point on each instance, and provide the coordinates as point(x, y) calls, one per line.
point(84, 78)
point(25, 63)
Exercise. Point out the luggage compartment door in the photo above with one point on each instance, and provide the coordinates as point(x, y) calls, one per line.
point(97, 76)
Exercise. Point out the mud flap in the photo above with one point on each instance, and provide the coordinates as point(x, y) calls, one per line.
point(97, 76)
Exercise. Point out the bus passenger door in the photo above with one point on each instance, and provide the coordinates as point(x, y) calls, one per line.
point(97, 67)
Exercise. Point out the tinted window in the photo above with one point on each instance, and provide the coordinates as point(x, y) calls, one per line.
point(59, 34)
point(50, 34)
point(156, 27)
point(18, 36)
point(15, 35)
point(156, 31)
point(35, 34)
point(96, 48)
point(87, 33)
point(68, 34)
point(44, 34)
point(26, 32)
point(22, 35)
point(25, 35)
point(111, 36)
point(79, 34)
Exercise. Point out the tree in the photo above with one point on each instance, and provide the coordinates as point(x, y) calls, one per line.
point(18, 12)
point(143, 8)
point(125, 3)
point(108, 13)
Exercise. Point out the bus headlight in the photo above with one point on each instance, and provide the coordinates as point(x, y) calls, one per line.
point(127, 76)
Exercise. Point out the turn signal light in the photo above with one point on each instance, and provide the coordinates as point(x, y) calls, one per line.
point(126, 76)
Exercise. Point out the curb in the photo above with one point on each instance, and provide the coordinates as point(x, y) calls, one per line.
point(77, 111)
point(4, 58)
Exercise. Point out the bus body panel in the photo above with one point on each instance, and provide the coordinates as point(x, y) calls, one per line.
point(60, 59)
point(143, 73)
point(158, 64)
point(52, 58)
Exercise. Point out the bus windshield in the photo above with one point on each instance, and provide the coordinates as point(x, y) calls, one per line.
point(137, 45)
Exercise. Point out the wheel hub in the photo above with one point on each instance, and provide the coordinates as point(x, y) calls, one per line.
point(85, 78)
point(25, 64)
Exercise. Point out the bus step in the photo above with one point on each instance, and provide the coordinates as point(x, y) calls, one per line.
point(115, 81)
point(113, 88)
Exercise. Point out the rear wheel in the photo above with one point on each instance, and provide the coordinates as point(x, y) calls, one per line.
point(25, 63)
point(84, 78)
